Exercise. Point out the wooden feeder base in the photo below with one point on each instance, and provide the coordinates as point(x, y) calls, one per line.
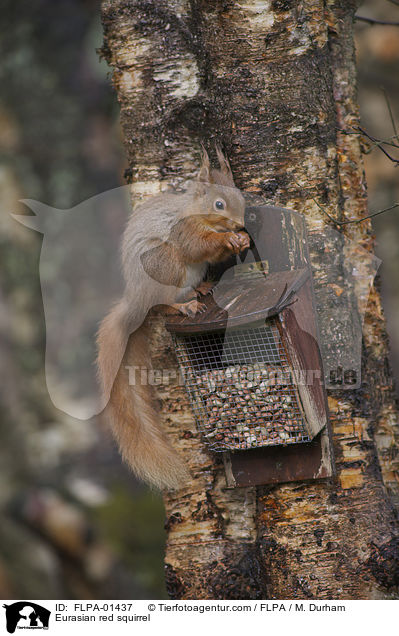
point(279, 464)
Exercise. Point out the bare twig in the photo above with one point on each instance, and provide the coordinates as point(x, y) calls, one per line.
point(395, 2)
point(362, 18)
point(387, 142)
point(339, 223)
point(380, 142)
point(369, 216)
point(388, 103)
point(380, 146)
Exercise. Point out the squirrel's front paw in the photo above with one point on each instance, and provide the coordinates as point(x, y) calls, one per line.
point(191, 308)
point(205, 288)
point(244, 240)
point(237, 241)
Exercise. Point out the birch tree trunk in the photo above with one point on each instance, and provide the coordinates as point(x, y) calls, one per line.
point(274, 83)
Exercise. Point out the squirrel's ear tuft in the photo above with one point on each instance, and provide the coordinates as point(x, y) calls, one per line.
point(224, 164)
point(204, 174)
point(224, 176)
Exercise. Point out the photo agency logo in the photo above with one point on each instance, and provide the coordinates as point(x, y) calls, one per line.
point(26, 615)
point(81, 279)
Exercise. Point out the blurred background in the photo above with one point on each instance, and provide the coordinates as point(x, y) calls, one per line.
point(74, 523)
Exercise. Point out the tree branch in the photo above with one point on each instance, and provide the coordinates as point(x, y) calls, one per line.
point(388, 103)
point(386, 142)
point(379, 144)
point(339, 223)
point(373, 21)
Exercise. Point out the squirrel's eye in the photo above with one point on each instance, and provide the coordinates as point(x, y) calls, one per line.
point(219, 204)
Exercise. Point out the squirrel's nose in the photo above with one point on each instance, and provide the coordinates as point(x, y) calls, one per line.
point(235, 224)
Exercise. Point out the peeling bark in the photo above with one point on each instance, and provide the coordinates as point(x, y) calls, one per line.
point(274, 83)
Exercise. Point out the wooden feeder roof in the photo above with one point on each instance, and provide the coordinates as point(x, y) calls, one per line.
point(243, 300)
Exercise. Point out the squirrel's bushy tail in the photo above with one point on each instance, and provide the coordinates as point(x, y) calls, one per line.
point(134, 420)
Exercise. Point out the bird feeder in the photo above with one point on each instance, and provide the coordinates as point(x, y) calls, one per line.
point(251, 361)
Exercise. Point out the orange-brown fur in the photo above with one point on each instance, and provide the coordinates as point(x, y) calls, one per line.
point(167, 245)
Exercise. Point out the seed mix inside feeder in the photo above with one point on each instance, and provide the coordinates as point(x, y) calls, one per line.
point(252, 373)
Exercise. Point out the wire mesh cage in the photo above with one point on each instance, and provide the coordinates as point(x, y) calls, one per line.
point(242, 388)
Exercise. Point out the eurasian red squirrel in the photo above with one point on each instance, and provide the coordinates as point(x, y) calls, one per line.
point(168, 243)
